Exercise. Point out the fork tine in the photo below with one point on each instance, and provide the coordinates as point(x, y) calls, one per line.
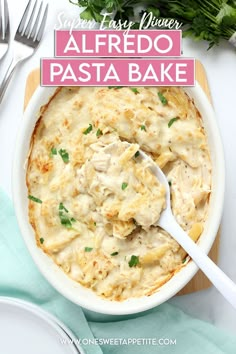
point(42, 25)
point(1, 26)
point(21, 26)
point(34, 29)
point(6, 17)
point(28, 27)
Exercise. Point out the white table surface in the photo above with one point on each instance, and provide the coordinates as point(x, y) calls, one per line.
point(220, 64)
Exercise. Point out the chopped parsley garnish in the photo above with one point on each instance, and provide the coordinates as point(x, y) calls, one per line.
point(66, 220)
point(95, 224)
point(88, 249)
point(134, 90)
point(41, 240)
point(62, 207)
point(184, 260)
point(134, 260)
point(172, 121)
point(169, 182)
point(124, 186)
point(53, 151)
point(34, 199)
point(99, 132)
point(64, 155)
point(88, 130)
point(114, 253)
point(143, 127)
point(162, 99)
point(137, 154)
point(115, 87)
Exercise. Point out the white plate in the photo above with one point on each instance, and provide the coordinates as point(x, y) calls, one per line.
point(25, 328)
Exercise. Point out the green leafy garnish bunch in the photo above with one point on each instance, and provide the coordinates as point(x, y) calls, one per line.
point(209, 20)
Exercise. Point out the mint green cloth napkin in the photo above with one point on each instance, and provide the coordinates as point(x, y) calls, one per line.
point(182, 334)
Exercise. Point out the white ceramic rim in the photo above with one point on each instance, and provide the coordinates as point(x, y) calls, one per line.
point(47, 317)
point(69, 288)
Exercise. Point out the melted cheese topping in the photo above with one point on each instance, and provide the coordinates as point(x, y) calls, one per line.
point(99, 200)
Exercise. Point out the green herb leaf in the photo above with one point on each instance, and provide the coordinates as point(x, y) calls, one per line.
point(89, 14)
point(184, 260)
point(137, 154)
point(155, 11)
point(169, 182)
point(88, 249)
point(53, 151)
point(162, 99)
point(114, 253)
point(88, 130)
point(65, 219)
point(62, 207)
point(34, 199)
point(99, 132)
point(134, 260)
point(134, 90)
point(142, 127)
point(227, 15)
point(115, 87)
point(172, 121)
point(41, 240)
point(124, 186)
point(64, 155)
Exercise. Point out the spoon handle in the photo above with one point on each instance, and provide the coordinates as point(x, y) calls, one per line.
point(218, 278)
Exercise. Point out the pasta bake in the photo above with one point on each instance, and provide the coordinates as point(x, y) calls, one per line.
point(94, 203)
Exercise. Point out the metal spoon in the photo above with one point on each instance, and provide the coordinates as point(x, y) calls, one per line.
point(167, 221)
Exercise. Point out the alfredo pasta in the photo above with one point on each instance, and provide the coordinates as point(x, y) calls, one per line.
point(94, 203)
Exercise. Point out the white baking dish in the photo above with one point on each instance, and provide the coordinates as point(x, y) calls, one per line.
point(66, 286)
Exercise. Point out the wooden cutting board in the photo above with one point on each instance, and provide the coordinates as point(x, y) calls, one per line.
point(199, 281)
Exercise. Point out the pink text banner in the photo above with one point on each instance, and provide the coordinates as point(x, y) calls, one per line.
point(108, 43)
point(117, 72)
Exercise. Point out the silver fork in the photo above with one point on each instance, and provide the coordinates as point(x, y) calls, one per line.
point(27, 38)
point(4, 28)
